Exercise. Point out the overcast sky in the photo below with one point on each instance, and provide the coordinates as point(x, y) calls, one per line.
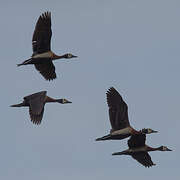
point(132, 45)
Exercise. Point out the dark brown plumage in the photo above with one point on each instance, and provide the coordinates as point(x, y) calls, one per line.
point(118, 115)
point(36, 103)
point(41, 41)
point(118, 110)
point(42, 56)
point(47, 70)
point(139, 150)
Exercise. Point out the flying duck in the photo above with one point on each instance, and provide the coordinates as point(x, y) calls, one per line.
point(42, 56)
point(139, 150)
point(118, 115)
point(36, 103)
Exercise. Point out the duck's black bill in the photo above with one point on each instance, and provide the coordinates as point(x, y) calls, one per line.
point(68, 102)
point(74, 56)
point(154, 131)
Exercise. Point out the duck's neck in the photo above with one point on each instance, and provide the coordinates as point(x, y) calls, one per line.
point(54, 57)
point(153, 149)
point(133, 131)
point(49, 99)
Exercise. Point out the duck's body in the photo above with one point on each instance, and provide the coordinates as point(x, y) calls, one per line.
point(42, 56)
point(118, 115)
point(36, 103)
point(119, 134)
point(139, 150)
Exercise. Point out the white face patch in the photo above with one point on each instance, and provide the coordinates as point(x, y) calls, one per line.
point(69, 55)
point(64, 101)
point(149, 131)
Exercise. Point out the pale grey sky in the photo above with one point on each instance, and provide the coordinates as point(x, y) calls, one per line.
point(132, 45)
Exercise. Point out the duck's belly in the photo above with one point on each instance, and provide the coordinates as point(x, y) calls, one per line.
point(139, 149)
point(119, 136)
point(40, 60)
point(124, 131)
point(43, 55)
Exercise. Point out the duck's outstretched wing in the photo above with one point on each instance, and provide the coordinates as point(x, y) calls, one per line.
point(136, 141)
point(47, 70)
point(41, 41)
point(144, 158)
point(118, 110)
point(36, 106)
point(36, 118)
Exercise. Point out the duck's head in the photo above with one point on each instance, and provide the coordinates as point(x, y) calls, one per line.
point(63, 101)
point(148, 131)
point(69, 56)
point(164, 148)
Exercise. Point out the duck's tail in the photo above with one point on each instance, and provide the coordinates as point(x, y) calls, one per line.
point(17, 105)
point(25, 62)
point(120, 153)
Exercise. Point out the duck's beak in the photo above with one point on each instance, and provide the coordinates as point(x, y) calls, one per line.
point(74, 56)
point(168, 149)
point(68, 102)
point(154, 131)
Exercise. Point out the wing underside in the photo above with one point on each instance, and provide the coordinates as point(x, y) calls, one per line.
point(143, 158)
point(36, 106)
point(47, 70)
point(118, 110)
point(136, 141)
point(41, 41)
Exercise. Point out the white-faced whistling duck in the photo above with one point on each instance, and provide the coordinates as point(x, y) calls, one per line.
point(36, 103)
point(139, 150)
point(118, 115)
point(41, 43)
